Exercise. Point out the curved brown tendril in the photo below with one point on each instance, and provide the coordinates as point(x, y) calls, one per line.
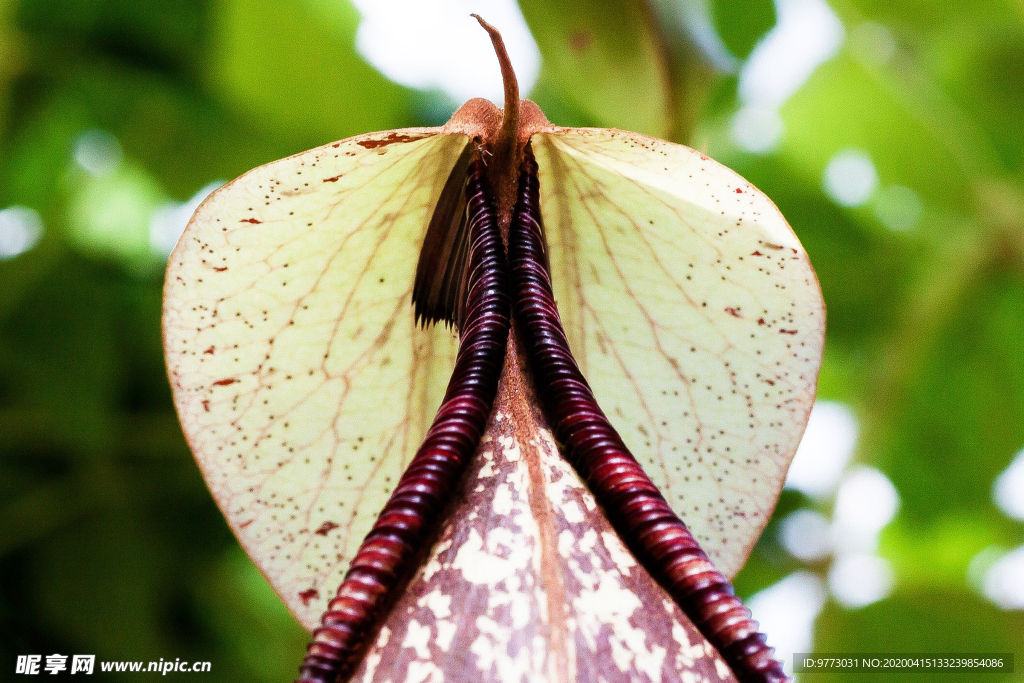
point(632, 502)
point(509, 131)
point(411, 514)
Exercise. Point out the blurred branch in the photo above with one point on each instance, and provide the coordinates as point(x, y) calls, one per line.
point(689, 75)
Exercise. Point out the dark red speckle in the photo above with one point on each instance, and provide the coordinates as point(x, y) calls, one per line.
point(739, 191)
point(224, 382)
point(308, 595)
point(332, 180)
point(245, 523)
point(733, 312)
point(757, 253)
point(254, 221)
point(760, 321)
point(209, 351)
point(389, 140)
point(206, 406)
point(787, 331)
point(325, 528)
point(220, 269)
point(580, 40)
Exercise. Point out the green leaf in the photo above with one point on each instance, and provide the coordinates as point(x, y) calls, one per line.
point(742, 23)
point(878, 114)
point(607, 59)
point(293, 68)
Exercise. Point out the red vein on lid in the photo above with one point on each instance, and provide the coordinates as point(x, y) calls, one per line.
point(632, 502)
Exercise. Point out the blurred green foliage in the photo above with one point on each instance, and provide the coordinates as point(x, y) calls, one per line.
point(109, 541)
point(613, 48)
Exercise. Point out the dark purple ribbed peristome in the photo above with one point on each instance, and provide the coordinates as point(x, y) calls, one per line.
point(636, 508)
point(411, 515)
